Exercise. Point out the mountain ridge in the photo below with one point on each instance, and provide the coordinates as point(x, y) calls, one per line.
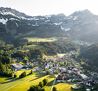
point(80, 25)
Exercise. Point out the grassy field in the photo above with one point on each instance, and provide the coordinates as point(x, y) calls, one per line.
point(3, 79)
point(22, 84)
point(60, 87)
point(40, 39)
point(21, 71)
point(25, 83)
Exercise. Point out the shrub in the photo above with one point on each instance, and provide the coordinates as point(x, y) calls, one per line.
point(47, 73)
point(15, 75)
point(36, 88)
point(45, 82)
point(54, 89)
point(41, 89)
point(40, 84)
point(22, 75)
point(31, 72)
point(33, 88)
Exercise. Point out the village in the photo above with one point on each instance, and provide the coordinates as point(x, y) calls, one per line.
point(65, 69)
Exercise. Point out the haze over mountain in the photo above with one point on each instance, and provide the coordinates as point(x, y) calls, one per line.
point(81, 25)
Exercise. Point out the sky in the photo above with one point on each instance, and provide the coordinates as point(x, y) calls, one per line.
point(47, 7)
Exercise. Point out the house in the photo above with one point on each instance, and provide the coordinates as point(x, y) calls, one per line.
point(16, 66)
point(51, 71)
point(36, 69)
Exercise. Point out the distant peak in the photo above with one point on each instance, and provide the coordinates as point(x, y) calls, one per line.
point(82, 12)
point(6, 10)
point(87, 11)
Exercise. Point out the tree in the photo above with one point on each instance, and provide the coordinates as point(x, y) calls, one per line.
point(36, 88)
point(40, 84)
point(31, 72)
point(15, 75)
point(41, 89)
point(45, 82)
point(22, 75)
point(2, 67)
point(36, 54)
point(25, 59)
point(5, 59)
point(32, 88)
point(54, 89)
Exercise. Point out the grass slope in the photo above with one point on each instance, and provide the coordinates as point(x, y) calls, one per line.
point(24, 84)
point(3, 79)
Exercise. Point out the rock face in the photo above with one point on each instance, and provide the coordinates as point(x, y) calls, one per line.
point(81, 25)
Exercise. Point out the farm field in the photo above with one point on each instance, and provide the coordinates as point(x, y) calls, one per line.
point(3, 79)
point(21, 71)
point(24, 84)
point(60, 87)
point(30, 39)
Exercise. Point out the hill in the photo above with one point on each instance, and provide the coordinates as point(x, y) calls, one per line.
point(90, 54)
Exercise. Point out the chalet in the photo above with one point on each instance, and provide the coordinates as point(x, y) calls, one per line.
point(16, 66)
point(36, 69)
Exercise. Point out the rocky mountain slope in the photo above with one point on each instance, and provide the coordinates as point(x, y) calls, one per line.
point(81, 25)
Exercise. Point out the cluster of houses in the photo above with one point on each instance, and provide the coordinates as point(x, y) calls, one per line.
point(72, 74)
point(18, 66)
point(66, 72)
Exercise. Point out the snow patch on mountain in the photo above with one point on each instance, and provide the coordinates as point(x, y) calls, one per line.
point(69, 17)
point(58, 23)
point(10, 13)
point(75, 18)
point(48, 16)
point(3, 21)
point(47, 21)
point(7, 13)
point(65, 29)
point(13, 19)
point(33, 18)
point(36, 24)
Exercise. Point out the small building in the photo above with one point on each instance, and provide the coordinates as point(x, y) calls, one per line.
point(16, 66)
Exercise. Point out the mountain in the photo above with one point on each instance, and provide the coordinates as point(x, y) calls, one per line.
point(84, 26)
point(14, 24)
point(9, 11)
point(81, 25)
point(90, 53)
